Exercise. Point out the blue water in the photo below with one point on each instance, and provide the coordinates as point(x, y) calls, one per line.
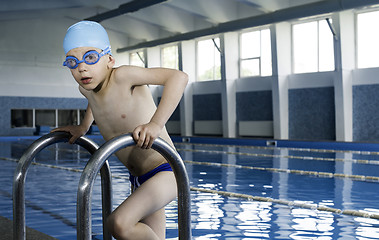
point(51, 192)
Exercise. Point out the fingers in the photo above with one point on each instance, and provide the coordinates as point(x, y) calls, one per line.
point(136, 135)
point(60, 129)
point(150, 143)
point(143, 137)
point(142, 140)
point(72, 139)
point(71, 130)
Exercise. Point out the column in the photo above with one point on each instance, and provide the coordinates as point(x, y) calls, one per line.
point(187, 54)
point(229, 73)
point(344, 52)
point(281, 69)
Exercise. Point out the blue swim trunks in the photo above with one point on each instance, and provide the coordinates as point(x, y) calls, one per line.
point(138, 181)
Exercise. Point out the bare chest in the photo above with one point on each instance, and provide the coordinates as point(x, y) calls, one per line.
point(121, 111)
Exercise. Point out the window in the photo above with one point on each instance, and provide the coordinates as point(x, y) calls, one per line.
point(208, 60)
point(367, 40)
point(170, 57)
point(255, 53)
point(313, 49)
point(33, 117)
point(45, 117)
point(21, 118)
point(82, 113)
point(137, 59)
point(67, 117)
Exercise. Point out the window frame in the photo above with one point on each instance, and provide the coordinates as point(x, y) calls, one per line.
point(177, 54)
point(143, 60)
point(23, 125)
point(317, 19)
point(356, 13)
point(240, 59)
point(218, 48)
point(79, 116)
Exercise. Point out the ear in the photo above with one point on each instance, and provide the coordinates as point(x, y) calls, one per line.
point(111, 61)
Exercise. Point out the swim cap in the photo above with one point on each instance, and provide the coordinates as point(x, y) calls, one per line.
point(86, 34)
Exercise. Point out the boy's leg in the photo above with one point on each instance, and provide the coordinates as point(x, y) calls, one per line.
point(141, 215)
point(157, 222)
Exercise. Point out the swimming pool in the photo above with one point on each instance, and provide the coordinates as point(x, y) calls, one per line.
point(239, 192)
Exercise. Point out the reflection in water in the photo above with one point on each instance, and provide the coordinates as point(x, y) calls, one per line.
point(209, 212)
point(368, 228)
point(309, 223)
point(233, 218)
point(254, 219)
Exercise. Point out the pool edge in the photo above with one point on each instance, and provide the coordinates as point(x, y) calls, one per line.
point(6, 231)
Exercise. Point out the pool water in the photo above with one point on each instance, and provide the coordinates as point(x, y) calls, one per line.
point(261, 172)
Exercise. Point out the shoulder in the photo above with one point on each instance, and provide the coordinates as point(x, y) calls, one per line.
point(127, 71)
point(129, 74)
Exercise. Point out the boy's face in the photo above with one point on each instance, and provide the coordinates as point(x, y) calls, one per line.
point(90, 76)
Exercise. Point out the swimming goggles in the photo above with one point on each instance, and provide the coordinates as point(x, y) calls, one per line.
point(90, 58)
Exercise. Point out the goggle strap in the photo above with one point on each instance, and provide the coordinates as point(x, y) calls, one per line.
point(105, 51)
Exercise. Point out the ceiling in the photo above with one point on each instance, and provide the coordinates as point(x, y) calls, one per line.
point(144, 21)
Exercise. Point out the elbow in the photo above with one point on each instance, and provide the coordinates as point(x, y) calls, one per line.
point(178, 79)
point(185, 78)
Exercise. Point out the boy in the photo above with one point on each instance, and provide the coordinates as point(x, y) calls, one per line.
point(120, 102)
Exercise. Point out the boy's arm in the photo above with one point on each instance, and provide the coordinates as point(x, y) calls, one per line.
point(87, 120)
point(77, 131)
point(174, 83)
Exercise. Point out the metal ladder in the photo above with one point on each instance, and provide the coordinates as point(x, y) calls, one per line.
point(98, 162)
point(87, 179)
point(19, 232)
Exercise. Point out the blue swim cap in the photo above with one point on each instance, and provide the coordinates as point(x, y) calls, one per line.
point(86, 34)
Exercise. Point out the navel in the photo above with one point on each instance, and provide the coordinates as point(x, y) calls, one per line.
point(123, 115)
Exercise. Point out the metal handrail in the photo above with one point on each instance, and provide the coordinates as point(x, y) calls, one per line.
point(19, 232)
point(84, 222)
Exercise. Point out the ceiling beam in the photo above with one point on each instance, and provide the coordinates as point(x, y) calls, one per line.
point(170, 19)
point(129, 7)
point(287, 14)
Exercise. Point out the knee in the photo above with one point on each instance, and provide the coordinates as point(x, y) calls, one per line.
point(118, 228)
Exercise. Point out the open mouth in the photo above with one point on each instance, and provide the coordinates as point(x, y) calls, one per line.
point(86, 80)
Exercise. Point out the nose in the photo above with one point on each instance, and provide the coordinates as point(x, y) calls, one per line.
point(82, 67)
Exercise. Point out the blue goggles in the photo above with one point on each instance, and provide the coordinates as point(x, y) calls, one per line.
point(90, 58)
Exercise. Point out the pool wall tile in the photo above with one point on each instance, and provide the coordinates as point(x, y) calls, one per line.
point(207, 107)
point(254, 106)
point(366, 113)
point(312, 113)
point(8, 103)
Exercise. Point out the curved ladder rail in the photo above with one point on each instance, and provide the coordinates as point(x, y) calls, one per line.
point(84, 222)
point(22, 169)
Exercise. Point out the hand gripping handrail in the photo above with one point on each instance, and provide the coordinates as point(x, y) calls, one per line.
point(22, 169)
point(102, 154)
